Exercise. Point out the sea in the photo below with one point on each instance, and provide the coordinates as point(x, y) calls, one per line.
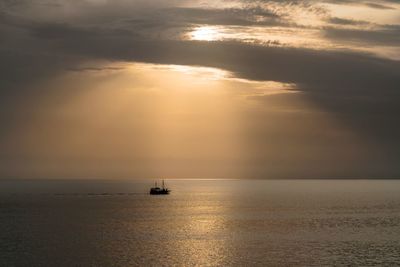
point(201, 223)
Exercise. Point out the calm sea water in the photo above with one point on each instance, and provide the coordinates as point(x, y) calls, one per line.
point(202, 222)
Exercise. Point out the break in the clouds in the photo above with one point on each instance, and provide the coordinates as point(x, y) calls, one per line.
point(304, 88)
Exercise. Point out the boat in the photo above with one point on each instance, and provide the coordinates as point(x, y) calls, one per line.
point(159, 190)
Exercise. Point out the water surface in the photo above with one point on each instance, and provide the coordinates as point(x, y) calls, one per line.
point(202, 222)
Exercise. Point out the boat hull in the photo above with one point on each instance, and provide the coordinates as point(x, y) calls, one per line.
point(156, 191)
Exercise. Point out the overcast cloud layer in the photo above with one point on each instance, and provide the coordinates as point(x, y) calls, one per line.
point(336, 58)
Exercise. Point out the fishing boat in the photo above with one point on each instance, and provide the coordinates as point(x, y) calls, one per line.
point(159, 190)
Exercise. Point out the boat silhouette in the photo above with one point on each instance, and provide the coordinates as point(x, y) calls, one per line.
point(159, 190)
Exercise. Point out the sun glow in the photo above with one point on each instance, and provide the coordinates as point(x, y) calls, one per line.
point(204, 73)
point(205, 33)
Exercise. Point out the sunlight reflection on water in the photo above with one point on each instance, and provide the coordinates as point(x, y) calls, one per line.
point(208, 222)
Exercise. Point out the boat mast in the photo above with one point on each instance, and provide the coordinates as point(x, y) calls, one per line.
point(163, 186)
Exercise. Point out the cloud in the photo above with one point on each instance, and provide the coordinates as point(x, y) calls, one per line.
point(133, 40)
point(378, 6)
point(225, 16)
point(310, 69)
point(358, 88)
point(342, 21)
point(389, 36)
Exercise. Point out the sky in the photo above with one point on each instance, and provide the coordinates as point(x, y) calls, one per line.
point(199, 89)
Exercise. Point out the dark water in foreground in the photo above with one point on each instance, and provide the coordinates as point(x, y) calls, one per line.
point(203, 222)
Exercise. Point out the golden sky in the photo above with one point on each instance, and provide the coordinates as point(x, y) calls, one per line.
point(194, 89)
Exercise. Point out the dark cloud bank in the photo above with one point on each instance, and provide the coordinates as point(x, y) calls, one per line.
point(360, 89)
